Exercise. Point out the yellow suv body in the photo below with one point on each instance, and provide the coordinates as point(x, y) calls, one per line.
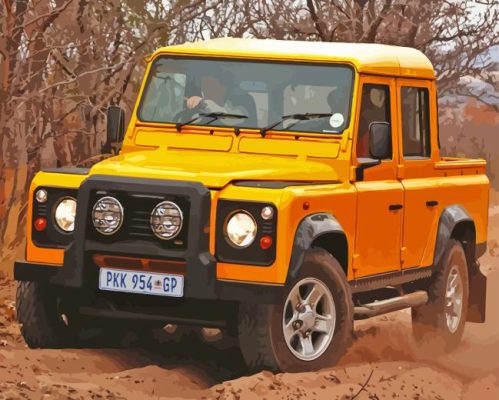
point(261, 171)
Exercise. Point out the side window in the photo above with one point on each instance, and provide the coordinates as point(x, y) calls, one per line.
point(415, 122)
point(375, 107)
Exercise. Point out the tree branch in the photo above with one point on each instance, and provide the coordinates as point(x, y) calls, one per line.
point(319, 25)
point(51, 16)
point(66, 82)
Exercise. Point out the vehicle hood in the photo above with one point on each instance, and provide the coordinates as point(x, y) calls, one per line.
point(213, 169)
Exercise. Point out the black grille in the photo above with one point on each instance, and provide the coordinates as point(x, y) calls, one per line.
point(137, 209)
point(268, 227)
point(139, 224)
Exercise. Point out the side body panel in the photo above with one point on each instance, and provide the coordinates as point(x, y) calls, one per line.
point(377, 242)
point(471, 193)
point(420, 220)
point(294, 204)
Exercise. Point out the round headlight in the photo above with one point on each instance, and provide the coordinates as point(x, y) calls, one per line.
point(65, 213)
point(166, 220)
point(241, 229)
point(107, 215)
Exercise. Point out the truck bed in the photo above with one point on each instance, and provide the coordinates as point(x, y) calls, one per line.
point(463, 163)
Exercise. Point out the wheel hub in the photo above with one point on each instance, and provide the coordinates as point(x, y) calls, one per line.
point(309, 319)
point(453, 299)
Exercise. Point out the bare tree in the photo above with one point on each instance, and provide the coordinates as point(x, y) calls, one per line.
point(62, 62)
point(453, 34)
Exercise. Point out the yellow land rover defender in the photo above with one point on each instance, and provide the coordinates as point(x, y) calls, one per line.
point(275, 189)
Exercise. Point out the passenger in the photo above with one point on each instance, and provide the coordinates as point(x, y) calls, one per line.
point(338, 104)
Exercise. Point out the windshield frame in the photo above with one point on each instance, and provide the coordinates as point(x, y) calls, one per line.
point(211, 126)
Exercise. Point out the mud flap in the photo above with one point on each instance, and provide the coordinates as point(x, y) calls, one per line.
point(478, 296)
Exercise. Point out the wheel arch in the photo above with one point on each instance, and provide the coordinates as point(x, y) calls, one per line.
point(456, 223)
point(320, 230)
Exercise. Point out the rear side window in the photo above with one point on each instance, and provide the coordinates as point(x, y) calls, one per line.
point(415, 122)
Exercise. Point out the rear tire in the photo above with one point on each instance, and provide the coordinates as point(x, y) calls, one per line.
point(440, 323)
point(303, 335)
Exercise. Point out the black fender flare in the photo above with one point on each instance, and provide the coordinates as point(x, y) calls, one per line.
point(309, 229)
point(449, 219)
point(451, 216)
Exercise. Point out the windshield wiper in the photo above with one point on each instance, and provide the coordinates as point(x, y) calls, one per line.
point(298, 117)
point(213, 115)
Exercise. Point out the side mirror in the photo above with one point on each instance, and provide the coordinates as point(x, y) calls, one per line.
point(115, 127)
point(380, 147)
point(380, 140)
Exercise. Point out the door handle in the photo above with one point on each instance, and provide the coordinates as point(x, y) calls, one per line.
point(431, 203)
point(395, 207)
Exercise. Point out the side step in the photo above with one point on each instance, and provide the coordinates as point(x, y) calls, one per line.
point(390, 279)
point(394, 304)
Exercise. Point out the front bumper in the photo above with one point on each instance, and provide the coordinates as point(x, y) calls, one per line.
point(79, 271)
point(197, 285)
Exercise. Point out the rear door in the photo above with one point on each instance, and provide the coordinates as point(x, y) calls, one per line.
point(417, 153)
point(380, 195)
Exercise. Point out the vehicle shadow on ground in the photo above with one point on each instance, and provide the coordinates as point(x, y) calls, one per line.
point(220, 359)
point(217, 360)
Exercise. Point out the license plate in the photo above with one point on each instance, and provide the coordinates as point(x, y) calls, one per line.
point(119, 280)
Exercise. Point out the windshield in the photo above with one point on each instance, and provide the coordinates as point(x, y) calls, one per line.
point(180, 90)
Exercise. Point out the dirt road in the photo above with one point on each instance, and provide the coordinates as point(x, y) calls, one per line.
point(382, 363)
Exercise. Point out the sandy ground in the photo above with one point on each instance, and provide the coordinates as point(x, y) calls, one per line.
point(382, 363)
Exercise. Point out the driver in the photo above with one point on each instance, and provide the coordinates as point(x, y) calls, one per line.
point(219, 95)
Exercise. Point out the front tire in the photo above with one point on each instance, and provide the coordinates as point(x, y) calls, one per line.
point(43, 323)
point(311, 326)
point(50, 319)
point(440, 323)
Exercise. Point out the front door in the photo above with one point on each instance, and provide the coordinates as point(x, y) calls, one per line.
point(380, 196)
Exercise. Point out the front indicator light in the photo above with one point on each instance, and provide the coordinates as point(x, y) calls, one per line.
point(267, 213)
point(240, 229)
point(65, 214)
point(40, 224)
point(41, 196)
point(265, 242)
point(107, 215)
